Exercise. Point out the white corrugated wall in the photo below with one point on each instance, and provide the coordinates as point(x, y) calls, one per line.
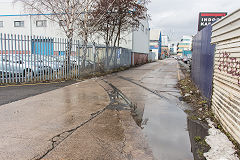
point(226, 80)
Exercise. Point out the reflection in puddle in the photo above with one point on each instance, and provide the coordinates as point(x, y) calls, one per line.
point(197, 129)
point(164, 125)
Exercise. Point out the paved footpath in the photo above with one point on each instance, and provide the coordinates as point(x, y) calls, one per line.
point(74, 122)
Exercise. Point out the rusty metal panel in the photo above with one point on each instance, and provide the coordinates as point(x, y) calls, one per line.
point(226, 79)
point(139, 58)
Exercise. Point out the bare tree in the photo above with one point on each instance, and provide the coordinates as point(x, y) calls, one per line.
point(121, 16)
point(83, 18)
point(84, 26)
point(72, 16)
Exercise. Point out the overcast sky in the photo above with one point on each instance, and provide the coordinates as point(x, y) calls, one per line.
point(180, 17)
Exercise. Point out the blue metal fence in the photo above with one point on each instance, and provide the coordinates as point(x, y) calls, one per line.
point(202, 61)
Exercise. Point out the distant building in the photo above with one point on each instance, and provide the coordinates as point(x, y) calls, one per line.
point(184, 45)
point(173, 49)
point(154, 40)
point(165, 47)
point(154, 43)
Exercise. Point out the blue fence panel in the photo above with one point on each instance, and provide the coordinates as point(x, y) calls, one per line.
point(202, 61)
point(42, 46)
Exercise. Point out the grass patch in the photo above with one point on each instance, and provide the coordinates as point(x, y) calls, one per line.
point(197, 139)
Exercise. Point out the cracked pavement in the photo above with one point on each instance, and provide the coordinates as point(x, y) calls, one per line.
point(82, 121)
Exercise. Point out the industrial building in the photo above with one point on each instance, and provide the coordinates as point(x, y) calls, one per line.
point(173, 49)
point(154, 40)
point(15, 21)
point(184, 45)
point(157, 39)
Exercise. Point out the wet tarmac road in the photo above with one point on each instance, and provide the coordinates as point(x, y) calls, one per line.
point(12, 93)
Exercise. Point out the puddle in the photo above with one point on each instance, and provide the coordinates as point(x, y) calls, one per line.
point(161, 116)
point(171, 135)
point(196, 130)
point(164, 122)
point(165, 126)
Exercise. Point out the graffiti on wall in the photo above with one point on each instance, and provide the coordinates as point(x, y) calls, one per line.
point(229, 65)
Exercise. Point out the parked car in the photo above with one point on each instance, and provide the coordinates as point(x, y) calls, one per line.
point(179, 58)
point(21, 66)
point(28, 65)
point(185, 59)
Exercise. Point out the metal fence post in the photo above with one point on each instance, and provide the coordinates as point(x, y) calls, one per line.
point(22, 50)
point(13, 71)
point(31, 46)
point(9, 59)
point(2, 58)
point(34, 54)
point(65, 62)
point(5, 48)
point(25, 61)
point(28, 52)
point(48, 54)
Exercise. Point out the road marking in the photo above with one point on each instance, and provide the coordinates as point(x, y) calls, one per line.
point(30, 84)
point(38, 83)
point(14, 85)
point(3, 86)
point(27, 84)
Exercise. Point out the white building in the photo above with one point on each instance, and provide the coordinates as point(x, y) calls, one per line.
point(154, 41)
point(140, 38)
point(14, 21)
point(173, 48)
point(165, 41)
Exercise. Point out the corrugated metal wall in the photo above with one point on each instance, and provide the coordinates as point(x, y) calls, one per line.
point(226, 83)
point(202, 61)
